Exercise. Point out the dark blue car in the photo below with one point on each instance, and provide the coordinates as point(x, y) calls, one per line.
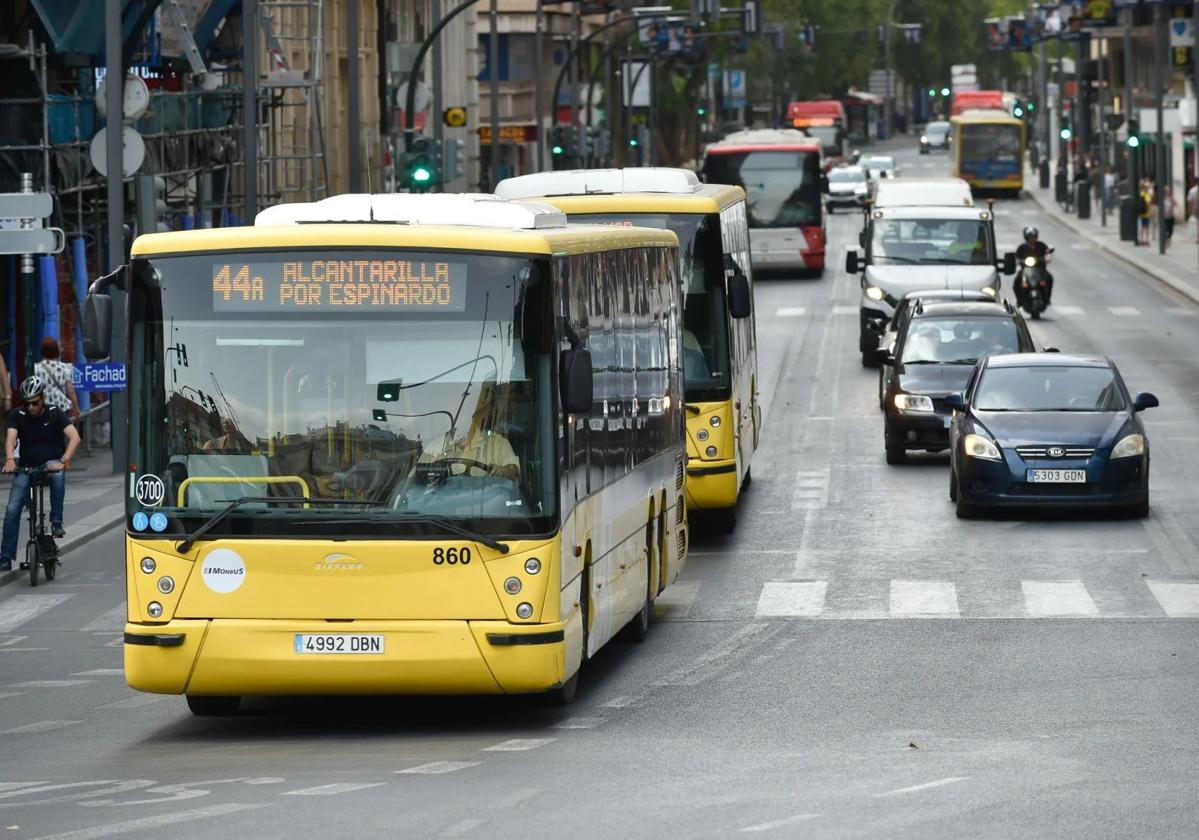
point(1040, 429)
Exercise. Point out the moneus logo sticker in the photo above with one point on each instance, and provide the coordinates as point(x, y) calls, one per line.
point(150, 490)
point(223, 571)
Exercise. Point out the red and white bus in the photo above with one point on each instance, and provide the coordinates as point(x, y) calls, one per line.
point(823, 119)
point(780, 171)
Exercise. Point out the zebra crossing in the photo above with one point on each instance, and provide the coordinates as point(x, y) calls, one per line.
point(996, 598)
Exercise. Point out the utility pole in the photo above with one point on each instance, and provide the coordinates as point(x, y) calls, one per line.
point(574, 78)
point(115, 91)
point(249, 108)
point(1159, 169)
point(1129, 112)
point(539, 86)
point(1043, 117)
point(888, 100)
point(493, 75)
point(438, 101)
point(353, 98)
point(1102, 122)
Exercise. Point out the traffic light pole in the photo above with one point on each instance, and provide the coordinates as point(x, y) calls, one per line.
point(493, 75)
point(1129, 113)
point(1159, 169)
point(410, 99)
point(538, 84)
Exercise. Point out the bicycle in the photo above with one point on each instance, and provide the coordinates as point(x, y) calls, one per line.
point(41, 551)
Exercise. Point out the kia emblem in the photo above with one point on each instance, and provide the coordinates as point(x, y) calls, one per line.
point(1056, 452)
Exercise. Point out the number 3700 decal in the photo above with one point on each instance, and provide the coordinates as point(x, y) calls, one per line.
point(451, 556)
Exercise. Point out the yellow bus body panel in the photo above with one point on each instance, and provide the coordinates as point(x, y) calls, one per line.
point(713, 481)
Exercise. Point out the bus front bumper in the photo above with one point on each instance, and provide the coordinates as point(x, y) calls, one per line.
point(258, 657)
point(712, 484)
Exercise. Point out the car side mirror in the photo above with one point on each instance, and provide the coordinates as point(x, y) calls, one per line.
point(851, 262)
point(740, 298)
point(1143, 401)
point(824, 184)
point(1050, 350)
point(956, 401)
point(1009, 262)
point(574, 373)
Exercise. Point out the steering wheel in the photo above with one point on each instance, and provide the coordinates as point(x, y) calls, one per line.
point(469, 463)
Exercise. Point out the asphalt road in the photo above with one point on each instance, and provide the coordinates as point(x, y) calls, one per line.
point(852, 662)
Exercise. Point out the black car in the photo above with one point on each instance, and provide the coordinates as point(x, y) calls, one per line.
point(903, 310)
point(1048, 429)
point(934, 136)
point(935, 352)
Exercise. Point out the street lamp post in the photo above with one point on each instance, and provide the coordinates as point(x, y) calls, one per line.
point(1159, 173)
point(888, 104)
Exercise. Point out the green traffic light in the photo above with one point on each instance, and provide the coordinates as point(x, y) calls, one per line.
point(558, 150)
point(1032, 107)
point(932, 91)
point(701, 110)
point(945, 91)
point(1066, 133)
point(1134, 141)
point(633, 142)
point(422, 175)
point(1018, 111)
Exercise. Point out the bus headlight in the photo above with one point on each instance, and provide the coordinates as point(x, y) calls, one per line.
point(524, 610)
point(875, 293)
point(512, 585)
point(154, 609)
point(702, 434)
point(148, 565)
point(711, 451)
point(166, 584)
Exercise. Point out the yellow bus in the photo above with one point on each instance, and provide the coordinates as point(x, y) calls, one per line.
point(987, 150)
point(368, 451)
point(720, 361)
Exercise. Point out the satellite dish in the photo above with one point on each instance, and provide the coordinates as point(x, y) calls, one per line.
point(133, 151)
point(134, 102)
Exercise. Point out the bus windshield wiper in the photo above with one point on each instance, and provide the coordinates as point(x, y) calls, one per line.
point(425, 519)
point(896, 258)
point(221, 515)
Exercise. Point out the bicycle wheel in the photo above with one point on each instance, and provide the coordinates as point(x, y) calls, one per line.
point(33, 558)
point(49, 557)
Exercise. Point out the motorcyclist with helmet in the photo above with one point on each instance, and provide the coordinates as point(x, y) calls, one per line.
point(1039, 251)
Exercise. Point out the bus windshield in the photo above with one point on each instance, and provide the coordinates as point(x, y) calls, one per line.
point(782, 186)
point(705, 317)
point(829, 137)
point(999, 143)
point(414, 385)
point(938, 241)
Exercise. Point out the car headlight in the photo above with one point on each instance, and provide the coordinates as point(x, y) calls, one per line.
point(989, 291)
point(977, 446)
point(875, 293)
point(1129, 446)
point(913, 402)
point(924, 140)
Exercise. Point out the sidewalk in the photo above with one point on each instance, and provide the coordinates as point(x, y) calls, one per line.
point(1178, 268)
point(95, 503)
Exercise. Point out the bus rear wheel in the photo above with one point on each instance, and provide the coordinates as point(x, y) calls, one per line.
point(203, 705)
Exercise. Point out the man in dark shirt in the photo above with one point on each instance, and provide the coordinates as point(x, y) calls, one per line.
point(1034, 247)
point(47, 439)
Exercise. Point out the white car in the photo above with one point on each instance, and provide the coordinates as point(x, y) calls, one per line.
point(846, 188)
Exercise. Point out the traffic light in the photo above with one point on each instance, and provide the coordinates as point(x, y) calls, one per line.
point(455, 159)
point(422, 163)
point(945, 91)
point(558, 140)
point(932, 91)
point(1134, 129)
point(1017, 109)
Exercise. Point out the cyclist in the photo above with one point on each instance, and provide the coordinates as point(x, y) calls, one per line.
point(47, 439)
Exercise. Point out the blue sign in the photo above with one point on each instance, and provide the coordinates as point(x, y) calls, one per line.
point(100, 376)
point(140, 521)
point(158, 522)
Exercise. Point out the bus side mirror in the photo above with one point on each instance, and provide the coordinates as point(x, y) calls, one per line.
point(824, 184)
point(97, 325)
point(851, 262)
point(1009, 262)
point(575, 381)
point(740, 298)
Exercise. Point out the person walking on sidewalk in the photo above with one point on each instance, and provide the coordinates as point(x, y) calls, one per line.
point(47, 439)
point(1144, 211)
point(58, 379)
point(1168, 211)
point(1193, 207)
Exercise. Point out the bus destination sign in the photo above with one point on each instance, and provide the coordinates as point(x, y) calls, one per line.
point(310, 284)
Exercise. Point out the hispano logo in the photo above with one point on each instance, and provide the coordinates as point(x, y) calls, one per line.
point(337, 563)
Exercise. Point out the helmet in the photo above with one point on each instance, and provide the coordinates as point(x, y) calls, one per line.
point(1031, 231)
point(32, 387)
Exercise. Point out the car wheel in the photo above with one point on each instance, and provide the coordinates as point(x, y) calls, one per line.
point(882, 392)
point(963, 509)
point(831, 209)
point(1141, 509)
point(896, 455)
point(868, 359)
point(953, 486)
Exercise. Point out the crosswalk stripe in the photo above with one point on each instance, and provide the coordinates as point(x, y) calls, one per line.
point(332, 789)
point(842, 309)
point(1071, 311)
point(790, 311)
point(518, 745)
point(19, 609)
point(39, 727)
point(1047, 598)
point(1181, 313)
point(436, 768)
point(792, 599)
point(923, 599)
point(1124, 311)
point(48, 683)
point(1177, 600)
point(676, 600)
point(114, 619)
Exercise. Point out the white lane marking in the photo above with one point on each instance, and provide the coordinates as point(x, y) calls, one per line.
point(843, 309)
point(100, 672)
point(579, 723)
point(4, 694)
point(332, 789)
point(12, 640)
point(811, 489)
point(463, 827)
point(39, 727)
point(48, 683)
point(1079, 246)
point(518, 745)
point(516, 797)
point(18, 785)
point(136, 701)
point(1124, 311)
point(926, 786)
point(114, 619)
point(1046, 598)
point(18, 609)
point(783, 598)
point(1177, 600)
point(1070, 311)
point(129, 826)
point(773, 824)
point(923, 598)
point(1181, 313)
point(790, 311)
point(436, 768)
point(620, 702)
point(676, 600)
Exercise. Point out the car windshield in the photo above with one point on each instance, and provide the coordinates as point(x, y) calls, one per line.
point(936, 130)
point(846, 176)
point(782, 186)
point(877, 163)
point(1044, 388)
point(958, 340)
point(706, 366)
point(411, 382)
point(944, 241)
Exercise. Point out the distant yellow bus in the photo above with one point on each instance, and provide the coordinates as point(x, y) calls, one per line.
point(987, 150)
point(416, 457)
point(720, 358)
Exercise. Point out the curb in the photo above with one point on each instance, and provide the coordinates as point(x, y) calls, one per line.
point(1167, 279)
point(65, 547)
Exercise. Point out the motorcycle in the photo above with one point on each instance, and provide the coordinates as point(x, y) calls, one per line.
point(1032, 285)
